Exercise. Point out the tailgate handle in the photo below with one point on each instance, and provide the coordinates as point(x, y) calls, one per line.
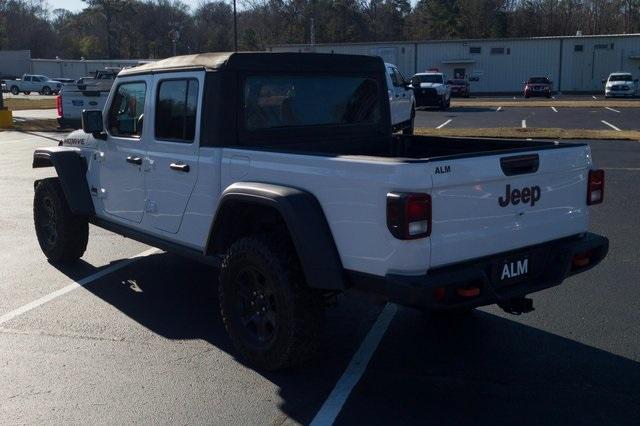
point(520, 164)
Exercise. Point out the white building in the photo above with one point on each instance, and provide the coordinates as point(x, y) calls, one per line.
point(574, 63)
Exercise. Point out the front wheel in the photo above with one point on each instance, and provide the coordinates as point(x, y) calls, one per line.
point(62, 235)
point(274, 320)
point(46, 90)
point(410, 128)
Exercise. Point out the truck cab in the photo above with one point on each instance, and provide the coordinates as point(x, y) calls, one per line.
point(402, 102)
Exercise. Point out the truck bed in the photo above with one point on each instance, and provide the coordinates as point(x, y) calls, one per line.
point(414, 147)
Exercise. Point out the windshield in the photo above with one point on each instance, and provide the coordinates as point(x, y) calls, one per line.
point(295, 100)
point(621, 77)
point(426, 78)
point(538, 80)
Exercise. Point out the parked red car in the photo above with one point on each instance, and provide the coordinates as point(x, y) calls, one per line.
point(537, 86)
point(459, 87)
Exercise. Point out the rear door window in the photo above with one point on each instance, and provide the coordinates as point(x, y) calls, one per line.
point(276, 101)
point(176, 108)
point(127, 109)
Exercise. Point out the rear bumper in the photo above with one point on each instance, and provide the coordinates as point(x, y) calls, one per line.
point(446, 288)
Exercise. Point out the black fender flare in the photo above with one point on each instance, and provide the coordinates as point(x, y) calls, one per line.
point(305, 221)
point(71, 169)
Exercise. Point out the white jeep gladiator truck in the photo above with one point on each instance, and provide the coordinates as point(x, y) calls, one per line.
point(281, 168)
point(34, 83)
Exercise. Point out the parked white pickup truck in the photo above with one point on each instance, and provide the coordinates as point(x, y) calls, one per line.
point(87, 93)
point(34, 83)
point(281, 168)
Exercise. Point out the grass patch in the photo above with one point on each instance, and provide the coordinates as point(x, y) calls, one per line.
point(35, 125)
point(537, 103)
point(533, 133)
point(16, 104)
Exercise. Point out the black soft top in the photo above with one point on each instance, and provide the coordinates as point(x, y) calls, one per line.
point(261, 61)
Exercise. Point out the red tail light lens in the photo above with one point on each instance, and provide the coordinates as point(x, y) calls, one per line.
point(59, 105)
point(595, 188)
point(409, 215)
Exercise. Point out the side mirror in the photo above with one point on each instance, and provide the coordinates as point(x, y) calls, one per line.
point(92, 122)
point(408, 85)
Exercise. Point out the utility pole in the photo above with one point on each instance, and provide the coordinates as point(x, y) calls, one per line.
point(235, 27)
point(174, 35)
point(312, 40)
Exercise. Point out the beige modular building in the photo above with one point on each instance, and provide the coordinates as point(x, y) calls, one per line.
point(573, 63)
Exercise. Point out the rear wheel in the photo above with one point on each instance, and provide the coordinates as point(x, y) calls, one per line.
point(272, 317)
point(62, 235)
point(15, 90)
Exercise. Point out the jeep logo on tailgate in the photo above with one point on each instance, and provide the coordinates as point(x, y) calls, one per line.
point(514, 196)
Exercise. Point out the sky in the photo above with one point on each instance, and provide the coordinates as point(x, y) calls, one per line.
point(77, 5)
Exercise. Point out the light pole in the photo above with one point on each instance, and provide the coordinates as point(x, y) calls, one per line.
point(174, 35)
point(235, 27)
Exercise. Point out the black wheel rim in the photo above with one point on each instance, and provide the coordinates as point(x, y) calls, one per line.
point(255, 306)
point(48, 222)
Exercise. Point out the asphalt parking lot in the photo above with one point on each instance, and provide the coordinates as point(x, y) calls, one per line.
point(144, 342)
point(597, 118)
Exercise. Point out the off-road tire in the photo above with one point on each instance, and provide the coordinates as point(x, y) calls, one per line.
point(15, 90)
point(298, 311)
point(62, 235)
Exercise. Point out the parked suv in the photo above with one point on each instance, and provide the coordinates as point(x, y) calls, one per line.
point(460, 88)
point(538, 86)
point(281, 169)
point(620, 84)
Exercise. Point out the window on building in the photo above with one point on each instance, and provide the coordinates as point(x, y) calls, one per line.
point(578, 48)
point(176, 110)
point(125, 113)
point(508, 51)
point(475, 50)
point(497, 50)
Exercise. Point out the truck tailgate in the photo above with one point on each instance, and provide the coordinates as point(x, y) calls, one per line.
point(490, 204)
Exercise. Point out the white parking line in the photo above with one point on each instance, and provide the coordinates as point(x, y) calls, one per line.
point(444, 124)
point(499, 108)
point(554, 109)
point(610, 125)
point(611, 109)
point(75, 284)
point(524, 124)
point(350, 378)
point(626, 169)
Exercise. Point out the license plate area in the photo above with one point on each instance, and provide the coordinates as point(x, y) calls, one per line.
point(512, 269)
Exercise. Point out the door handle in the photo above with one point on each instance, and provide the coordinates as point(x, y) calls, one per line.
point(134, 160)
point(179, 167)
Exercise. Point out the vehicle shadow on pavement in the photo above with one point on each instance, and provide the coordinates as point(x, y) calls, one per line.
point(486, 369)
point(480, 369)
point(177, 299)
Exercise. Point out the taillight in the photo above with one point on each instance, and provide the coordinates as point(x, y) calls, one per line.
point(409, 215)
point(595, 187)
point(59, 105)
